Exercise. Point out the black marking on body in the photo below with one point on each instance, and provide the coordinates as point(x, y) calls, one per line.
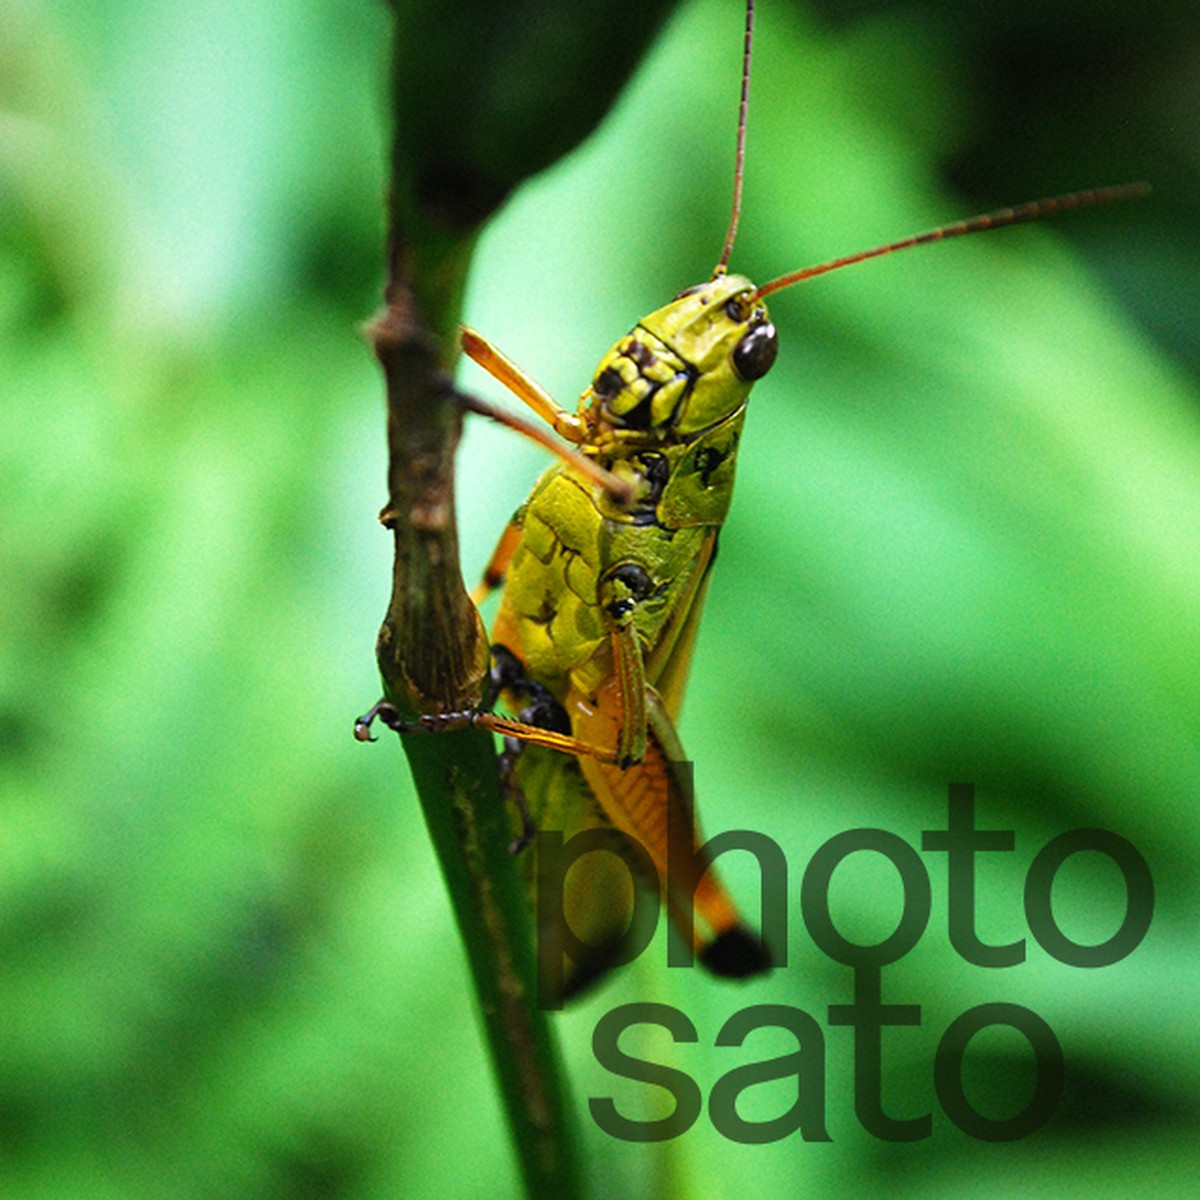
point(635, 577)
point(644, 517)
point(656, 473)
point(608, 384)
point(636, 580)
point(644, 591)
point(546, 612)
point(639, 416)
point(707, 462)
point(641, 354)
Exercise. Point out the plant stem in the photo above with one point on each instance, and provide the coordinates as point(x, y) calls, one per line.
point(433, 656)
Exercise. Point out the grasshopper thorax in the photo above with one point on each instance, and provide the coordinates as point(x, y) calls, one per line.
point(685, 367)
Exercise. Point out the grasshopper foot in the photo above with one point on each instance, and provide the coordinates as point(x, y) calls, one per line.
point(387, 712)
point(383, 711)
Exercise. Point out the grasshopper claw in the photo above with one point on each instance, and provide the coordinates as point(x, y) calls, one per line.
point(384, 712)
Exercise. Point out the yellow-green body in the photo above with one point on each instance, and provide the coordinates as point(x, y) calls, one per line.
point(562, 580)
point(602, 596)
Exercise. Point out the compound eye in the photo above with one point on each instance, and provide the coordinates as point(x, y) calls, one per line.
point(755, 354)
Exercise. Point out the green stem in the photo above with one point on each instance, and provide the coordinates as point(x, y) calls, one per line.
point(433, 656)
point(485, 93)
point(470, 831)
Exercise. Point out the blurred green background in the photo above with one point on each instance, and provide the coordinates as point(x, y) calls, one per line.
point(965, 546)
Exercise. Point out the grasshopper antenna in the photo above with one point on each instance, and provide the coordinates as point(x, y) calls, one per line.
point(1016, 215)
point(739, 163)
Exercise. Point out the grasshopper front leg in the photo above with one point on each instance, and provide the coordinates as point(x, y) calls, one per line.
point(569, 426)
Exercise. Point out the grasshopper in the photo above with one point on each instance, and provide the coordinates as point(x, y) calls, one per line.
point(605, 569)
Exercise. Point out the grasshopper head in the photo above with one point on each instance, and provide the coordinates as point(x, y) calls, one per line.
point(685, 367)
